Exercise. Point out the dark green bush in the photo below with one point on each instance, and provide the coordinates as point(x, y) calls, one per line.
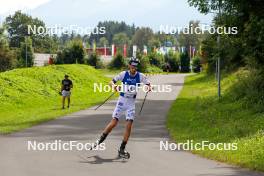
point(250, 89)
point(7, 59)
point(144, 63)
point(196, 64)
point(71, 54)
point(184, 62)
point(173, 60)
point(94, 60)
point(156, 59)
point(118, 61)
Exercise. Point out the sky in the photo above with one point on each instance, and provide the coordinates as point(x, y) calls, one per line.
point(87, 13)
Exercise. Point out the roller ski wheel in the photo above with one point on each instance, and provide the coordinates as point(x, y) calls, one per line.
point(123, 154)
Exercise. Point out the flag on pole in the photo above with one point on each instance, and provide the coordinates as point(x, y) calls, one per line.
point(145, 50)
point(125, 51)
point(113, 50)
point(105, 50)
point(190, 51)
point(94, 46)
point(193, 51)
point(134, 50)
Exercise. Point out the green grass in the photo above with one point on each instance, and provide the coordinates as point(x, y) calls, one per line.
point(30, 96)
point(198, 115)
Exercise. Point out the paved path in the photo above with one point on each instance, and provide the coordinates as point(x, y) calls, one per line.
point(85, 126)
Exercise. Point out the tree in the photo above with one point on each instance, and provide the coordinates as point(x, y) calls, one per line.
point(103, 42)
point(3, 37)
point(72, 53)
point(247, 16)
point(120, 39)
point(7, 58)
point(18, 27)
point(112, 28)
point(154, 42)
point(142, 37)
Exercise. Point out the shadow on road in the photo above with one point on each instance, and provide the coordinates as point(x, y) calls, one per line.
point(99, 160)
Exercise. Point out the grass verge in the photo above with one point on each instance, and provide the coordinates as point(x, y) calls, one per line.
point(198, 115)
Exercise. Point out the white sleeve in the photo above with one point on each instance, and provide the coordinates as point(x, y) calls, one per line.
point(119, 77)
point(143, 79)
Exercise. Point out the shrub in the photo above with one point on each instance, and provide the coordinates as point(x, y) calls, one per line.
point(59, 58)
point(173, 60)
point(184, 62)
point(118, 61)
point(196, 64)
point(153, 69)
point(94, 60)
point(73, 53)
point(156, 59)
point(144, 63)
point(250, 89)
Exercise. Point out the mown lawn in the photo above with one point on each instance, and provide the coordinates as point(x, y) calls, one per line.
point(30, 96)
point(198, 115)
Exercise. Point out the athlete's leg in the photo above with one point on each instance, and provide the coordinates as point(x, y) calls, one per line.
point(130, 115)
point(112, 124)
point(115, 116)
point(63, 101)
point(127, 133)
point(69, 101)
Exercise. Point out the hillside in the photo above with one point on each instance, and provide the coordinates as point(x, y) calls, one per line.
point(30, 95)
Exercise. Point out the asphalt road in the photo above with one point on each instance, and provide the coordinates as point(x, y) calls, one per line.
point(86, 126)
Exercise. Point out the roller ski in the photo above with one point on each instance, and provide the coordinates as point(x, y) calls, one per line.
point(94, 145)
point(123, 154)
point(99, 141)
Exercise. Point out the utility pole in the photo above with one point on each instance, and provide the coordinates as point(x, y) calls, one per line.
point(219, 50)
point(26, 50)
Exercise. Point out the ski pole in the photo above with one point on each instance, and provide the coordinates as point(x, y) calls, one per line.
point(105, 101)
point(143, 103)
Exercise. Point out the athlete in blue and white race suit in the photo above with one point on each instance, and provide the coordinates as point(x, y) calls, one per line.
point(126, 101)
